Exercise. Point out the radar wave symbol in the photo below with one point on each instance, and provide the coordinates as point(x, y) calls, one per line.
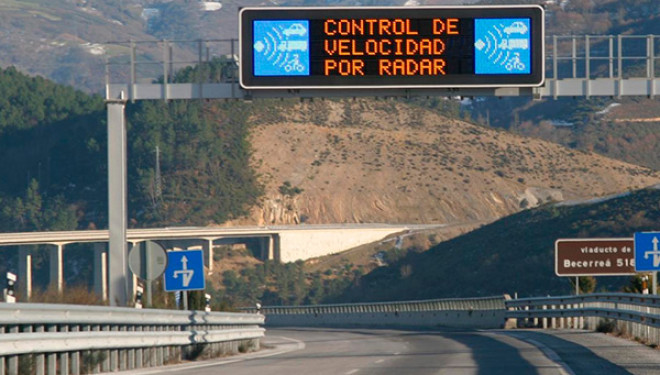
point(268, 47)
point(490, 46)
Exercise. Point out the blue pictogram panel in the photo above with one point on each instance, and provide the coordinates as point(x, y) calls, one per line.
point(502, 46)
point(185, 271)
point(281, 48)
point(647, 252)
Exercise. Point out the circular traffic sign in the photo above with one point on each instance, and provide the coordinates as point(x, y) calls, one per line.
point(147, 260)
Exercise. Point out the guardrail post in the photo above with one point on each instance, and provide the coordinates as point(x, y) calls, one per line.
point(123, 355)
point(51, 359)
point(39, 359)
point(12, 361)
point(75, 356)
point(139, 361)
point(64, 356)
point(131, 352)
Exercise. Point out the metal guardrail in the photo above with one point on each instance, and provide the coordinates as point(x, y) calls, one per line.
point(633, 314)
point(463, 304)
point(72, 339)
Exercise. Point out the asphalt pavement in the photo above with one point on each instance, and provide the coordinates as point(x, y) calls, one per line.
point(322, 351)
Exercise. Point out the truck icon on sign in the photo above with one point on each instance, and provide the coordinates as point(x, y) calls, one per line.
point(288, 45)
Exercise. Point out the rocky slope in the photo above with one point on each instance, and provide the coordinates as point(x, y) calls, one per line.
point(385, 161)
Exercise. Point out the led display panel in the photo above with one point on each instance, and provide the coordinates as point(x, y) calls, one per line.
point(411, 47)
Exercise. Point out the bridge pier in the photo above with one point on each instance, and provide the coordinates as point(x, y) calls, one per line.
point(25, 272)
point(207, 248)
point(57, 267)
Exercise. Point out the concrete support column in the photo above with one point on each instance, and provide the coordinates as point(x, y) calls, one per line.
point(207, 248)
point(273, 252)
point(25, 272)
point(101, 270)
point(57, 267)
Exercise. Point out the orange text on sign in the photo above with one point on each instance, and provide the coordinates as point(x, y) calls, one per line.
point(384, 47)
point(384, 26)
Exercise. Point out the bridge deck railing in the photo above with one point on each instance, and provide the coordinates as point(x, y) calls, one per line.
point(71, 339)
point(634, 315)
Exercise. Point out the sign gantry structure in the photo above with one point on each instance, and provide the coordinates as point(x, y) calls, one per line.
point(365, 52)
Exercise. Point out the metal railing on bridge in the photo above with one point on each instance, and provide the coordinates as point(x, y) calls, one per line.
point(72, 339)
point(576, 65)
point(630, 314)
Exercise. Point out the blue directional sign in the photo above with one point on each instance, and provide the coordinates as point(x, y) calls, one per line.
point(185, 271)
point(647, 251)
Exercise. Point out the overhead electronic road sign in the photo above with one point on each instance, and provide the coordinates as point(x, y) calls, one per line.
point(393, 47)
point(647, 251)
point(594, 257)
point(185, 271)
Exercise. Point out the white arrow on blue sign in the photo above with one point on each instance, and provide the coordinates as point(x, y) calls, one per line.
point(185, 271)
point(647, 251)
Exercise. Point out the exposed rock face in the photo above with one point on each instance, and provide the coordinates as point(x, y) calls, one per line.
point(384, 161)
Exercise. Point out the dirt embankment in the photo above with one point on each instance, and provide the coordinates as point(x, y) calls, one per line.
point(385, 161)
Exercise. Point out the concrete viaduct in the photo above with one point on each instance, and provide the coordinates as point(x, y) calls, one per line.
point(279, 243)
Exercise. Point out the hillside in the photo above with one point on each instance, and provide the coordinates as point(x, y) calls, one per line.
point(514, 254)
point(386, 161)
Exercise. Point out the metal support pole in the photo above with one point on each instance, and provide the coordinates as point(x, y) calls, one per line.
point(611, 56)
point(554, 67)
point(574, 57)
point(200, 70)
point(654, 287)
point(651, 66)
point(117, 208)
point(101, 271)
point(133, 72)
point(577, 285)
point(619, 69)
point(184, 297)
point(165, 70)
point(587, 72)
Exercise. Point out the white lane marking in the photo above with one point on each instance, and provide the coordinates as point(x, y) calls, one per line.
point(380, 361)
point(352, 371)
point(551, 354)
point(397, 353)
point(256, 355)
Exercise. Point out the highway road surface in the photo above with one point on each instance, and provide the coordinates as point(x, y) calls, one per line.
point(321, 351)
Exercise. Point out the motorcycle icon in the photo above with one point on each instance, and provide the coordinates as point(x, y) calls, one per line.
point(294, 64)
point(514, 63)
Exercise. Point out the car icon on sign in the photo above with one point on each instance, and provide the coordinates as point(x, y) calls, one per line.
point(516, 27)
point(295, 29)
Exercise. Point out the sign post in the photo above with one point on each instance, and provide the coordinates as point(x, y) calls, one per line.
point(647, 255)
point(391, 47)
